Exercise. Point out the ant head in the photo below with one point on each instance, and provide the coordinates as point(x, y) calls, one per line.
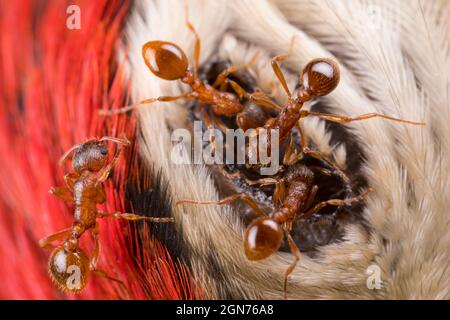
point(91, 155)
point(69, 268)
point(165, 60)
point(262, 238)
point(318, 78)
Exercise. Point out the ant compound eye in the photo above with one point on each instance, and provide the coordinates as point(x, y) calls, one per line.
point(262, 238)
point(69, 269)
point(103, 150)
point(320, 77)
point(165, 59)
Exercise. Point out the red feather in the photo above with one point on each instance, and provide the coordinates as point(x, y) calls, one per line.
point(54, 81)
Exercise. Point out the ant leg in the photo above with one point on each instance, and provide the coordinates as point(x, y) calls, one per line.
point(277, 70)
point(103, 175)
point(262, 182)
point(64, 233)
point(206, 117)
point(344, 119)
point(311, 196)
point(224, 86)
point(315, 217)
point(305, 147)
point(62, 192)
point(70, 179)
point(297, 256)
point(335, 202)
point(238, 89)
point(273, 90)
point(219, 123)
point(231, 69)
point(263, 102)
point(103, 274)
point(197, 39)
point(242, 196)
point(291, 156)
point(337, 171)
point(187, 95)
point(318, 155)
point(279, 194)
point(67, 153)
point(132, 217)
point(238, 175)
point(94, 259)
point(258, 97)
point(220, 80)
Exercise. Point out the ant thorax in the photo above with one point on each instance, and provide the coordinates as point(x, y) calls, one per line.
point(235, 178)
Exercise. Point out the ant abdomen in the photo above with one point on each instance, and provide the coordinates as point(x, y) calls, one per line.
point(319, 77)
point(262, 238)
point(165, 60)
point(69, 269)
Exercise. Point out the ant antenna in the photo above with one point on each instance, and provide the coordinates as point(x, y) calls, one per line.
point(121, 141)
point(68, 152)
point(197, 37)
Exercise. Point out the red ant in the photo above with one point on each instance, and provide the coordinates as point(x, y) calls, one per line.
point(293, 198)
point(318, 78)
point(69, 266)
point(167, 61)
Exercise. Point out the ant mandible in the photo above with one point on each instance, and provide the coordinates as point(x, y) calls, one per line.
point(84, 188)
point(293, 197)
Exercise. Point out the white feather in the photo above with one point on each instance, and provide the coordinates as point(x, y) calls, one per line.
point(394, 59)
